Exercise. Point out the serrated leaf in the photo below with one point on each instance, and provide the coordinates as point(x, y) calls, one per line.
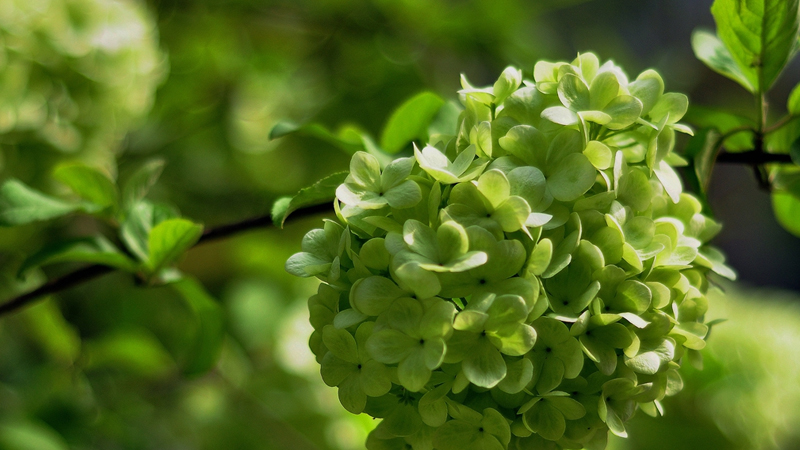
point(169, 239)
point(21, 204)
point(96, 250)
point(761, 36)
point(709, 49)
point(88, 183)
point(322, 191)
point(139, 183)
point(410, 121)
point(210, 330)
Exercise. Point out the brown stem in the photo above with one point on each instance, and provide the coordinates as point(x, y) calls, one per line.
point(93, 271)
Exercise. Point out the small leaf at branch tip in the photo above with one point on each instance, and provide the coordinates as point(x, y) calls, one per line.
point(322, 191)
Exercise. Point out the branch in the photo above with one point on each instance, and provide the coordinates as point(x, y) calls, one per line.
point(93, 271)
point(753, 157)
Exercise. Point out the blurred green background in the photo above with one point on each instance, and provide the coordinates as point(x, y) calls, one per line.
point(114, 83)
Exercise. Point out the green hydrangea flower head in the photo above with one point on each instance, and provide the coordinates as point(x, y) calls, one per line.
point(530, 282)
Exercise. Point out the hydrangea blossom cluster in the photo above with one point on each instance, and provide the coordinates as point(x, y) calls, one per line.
point(527, 283)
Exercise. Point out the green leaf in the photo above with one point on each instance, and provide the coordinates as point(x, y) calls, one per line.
point(709, 49)
point(18, 435)
point(761, 35)
point(134, 351)
point(210, 319)
point(323, 191)
point(139, 220)
point(347, 139)
point(169, 239)
point(139, 183)
point(793, 104)
point(96, 250)
point(410, 121)
point(724, 122)
point(702, 151)
point(89, 183)
point(787, 211)
point(20, 205)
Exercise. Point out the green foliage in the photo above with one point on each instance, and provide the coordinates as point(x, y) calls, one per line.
point(410, 121)
point(545, 269)
point(64, 88)
point(754, 43)
point(153, 234)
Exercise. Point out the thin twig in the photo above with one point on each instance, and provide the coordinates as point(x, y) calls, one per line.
point(753, 157)
point(94, 271)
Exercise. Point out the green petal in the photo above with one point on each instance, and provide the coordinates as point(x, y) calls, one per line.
point(599, 154)
point(395, 172)
point(485, 366)
point(467, 261)
point(530, 184)
point(570, 408)
point(432, 406)
point(469, 320)
point(351, 395)
point(573, 93)
point(404, 420)
point(366, 171)
point(519, 374)
point(373, 295)
point(572, 177)
point(518, 343)
point(545, 420)
point(604, 88)
point(413, 372)
point(451, 240)
point(456, 435)
point(506, 310)
point(341, 343)
point(438, 318)
point(494, 423)
point(433, 351)
point(420, 238)
point(552, 372)
point(494, 186)
point(375, 379)
point(508, 82)
point(650, 361)
point(670, 180)
point(602, 354)
point(540, 257)
point(306, 265)
point(624, 110)
point(512, 214)
point(595, 116)
point(390, 346)
point(404, 315)
point(648, 88)
point(463, 161)
point(335, 370)
point(560, 115)
point(526, 143)
point(424, 284)
point(404, 195)
point(670, 103)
